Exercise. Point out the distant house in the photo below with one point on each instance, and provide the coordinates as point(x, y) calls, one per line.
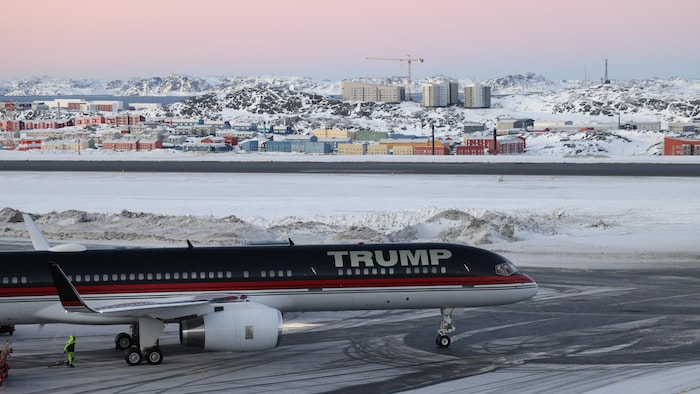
point(515, 123)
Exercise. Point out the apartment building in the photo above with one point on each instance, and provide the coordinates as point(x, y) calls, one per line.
point(358, 91)
point(477, 96)
point(440, 94)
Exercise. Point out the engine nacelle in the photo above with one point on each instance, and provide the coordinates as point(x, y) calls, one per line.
point(234, 327)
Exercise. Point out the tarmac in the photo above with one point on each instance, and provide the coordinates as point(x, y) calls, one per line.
point(586, 331)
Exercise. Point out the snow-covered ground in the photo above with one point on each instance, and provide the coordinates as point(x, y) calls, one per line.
point(565, 222)
point(554, 221)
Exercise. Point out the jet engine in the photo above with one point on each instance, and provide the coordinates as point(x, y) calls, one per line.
point(234, 327)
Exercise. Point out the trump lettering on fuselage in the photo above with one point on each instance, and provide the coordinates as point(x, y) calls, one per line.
point(389, 258)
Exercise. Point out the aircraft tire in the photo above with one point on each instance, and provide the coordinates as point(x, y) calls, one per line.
point(123, 341)
point(133, 356)
point(154, 356)
point(443, 341)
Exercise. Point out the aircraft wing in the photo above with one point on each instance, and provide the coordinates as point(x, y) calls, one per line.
point(165, 309)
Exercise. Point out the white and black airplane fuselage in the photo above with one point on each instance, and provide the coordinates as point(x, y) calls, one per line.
point(232, 298)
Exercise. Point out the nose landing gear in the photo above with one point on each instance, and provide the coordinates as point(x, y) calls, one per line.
point(443, 340)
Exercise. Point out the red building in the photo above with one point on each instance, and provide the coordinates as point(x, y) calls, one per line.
point(681, 147)
point(29, 143)
point(478, 146)
point(88, 120)
point(10, 125)
point(45, 124)
point(428, 150)
point(124, 119)
point(469, 150)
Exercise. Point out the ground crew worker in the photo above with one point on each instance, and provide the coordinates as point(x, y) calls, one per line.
point(70, 350)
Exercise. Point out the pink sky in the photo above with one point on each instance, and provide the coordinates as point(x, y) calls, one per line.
point(463, 39)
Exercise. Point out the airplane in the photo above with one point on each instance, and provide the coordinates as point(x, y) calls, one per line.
point(233, 298)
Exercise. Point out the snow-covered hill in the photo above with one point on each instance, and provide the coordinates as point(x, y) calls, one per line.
point(306, 104)
point(170, 85)
point(669, 100)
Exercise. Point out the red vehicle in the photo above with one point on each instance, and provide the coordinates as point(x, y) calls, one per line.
point(5, 351)
point(7, 329)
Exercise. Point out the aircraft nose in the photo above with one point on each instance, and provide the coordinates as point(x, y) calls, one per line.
point(532, 287)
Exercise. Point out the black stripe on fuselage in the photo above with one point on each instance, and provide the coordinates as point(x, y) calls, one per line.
point(252, 267)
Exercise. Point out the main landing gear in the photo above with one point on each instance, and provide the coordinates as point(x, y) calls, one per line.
point(134, 354)
point(443, 340)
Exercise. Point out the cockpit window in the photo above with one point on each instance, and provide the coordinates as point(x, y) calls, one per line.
point(506, 269)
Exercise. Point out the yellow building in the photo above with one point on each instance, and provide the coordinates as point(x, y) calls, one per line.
point(352, 149)
point(403, 150)
point(378, 149)
point(331, 133)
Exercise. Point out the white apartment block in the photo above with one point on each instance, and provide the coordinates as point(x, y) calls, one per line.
point(357, 91)
point(477, 96)
point(440, 94)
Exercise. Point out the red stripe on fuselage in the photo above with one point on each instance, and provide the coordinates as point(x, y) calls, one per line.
point(215, 285)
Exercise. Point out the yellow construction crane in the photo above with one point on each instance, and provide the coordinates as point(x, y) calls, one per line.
point(408, 59)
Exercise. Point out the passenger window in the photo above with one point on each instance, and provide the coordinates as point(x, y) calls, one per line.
point(149, 276)
point(289, 273)
point(263, 274)
point(78, 278)
point(105, 277)
point(246, 274)
point(340, 272)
